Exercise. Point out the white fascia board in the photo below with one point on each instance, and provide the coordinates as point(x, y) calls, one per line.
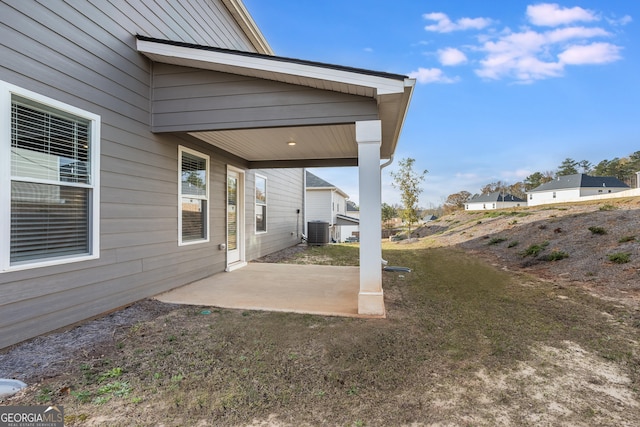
point(248, 25)
point(199, 58)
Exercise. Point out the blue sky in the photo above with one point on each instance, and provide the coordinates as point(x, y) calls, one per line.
point(504, 88)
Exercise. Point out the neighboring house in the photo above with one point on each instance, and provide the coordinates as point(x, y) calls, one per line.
point(495, 200)
point(327, 203)
point(351, 232)
point(428, 218)
point(571, 188)
point(147, 144)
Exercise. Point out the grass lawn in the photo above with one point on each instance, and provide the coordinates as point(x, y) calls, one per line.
point(463, 344)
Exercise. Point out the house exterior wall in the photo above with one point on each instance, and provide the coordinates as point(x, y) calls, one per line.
point(319, 205)
point(556, 196)
point(190, 99)
point(577, 195)
point(84, 54)
point(493, 205)
point(598, 191)
point(285, 211)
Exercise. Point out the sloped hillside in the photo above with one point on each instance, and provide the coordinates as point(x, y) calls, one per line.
point(596, 245)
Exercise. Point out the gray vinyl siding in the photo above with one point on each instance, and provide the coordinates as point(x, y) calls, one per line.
point(284, 197)
point(83, 53)
point(188, 99)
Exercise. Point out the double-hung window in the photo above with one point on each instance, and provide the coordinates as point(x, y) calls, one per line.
point(261, 204)
point(193, 219)
point(49, 186)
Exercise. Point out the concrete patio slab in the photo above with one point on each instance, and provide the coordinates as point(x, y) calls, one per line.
point(313, 289)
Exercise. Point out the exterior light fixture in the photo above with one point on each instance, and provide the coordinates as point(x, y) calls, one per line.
point(291, 143)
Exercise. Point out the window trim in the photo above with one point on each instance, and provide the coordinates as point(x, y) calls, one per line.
point(182, 149)
point(7, 90)
point(256, 204)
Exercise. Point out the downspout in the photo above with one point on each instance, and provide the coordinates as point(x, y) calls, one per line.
point(382, 166)
point(387, 163)
point(304, 205)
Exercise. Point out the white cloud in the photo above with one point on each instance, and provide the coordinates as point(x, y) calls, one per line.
point(529, 55)
point(445, 25)
point(552, 15)
point(620, 21)
point(431, 75)
point(451, 56)
point(368, 49)
point(568, 33)
point(595, 53)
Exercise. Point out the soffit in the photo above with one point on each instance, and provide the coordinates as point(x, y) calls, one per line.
point(311, 142)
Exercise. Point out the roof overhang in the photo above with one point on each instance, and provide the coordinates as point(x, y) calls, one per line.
point(346, 220)
point(248, 25)
point(327, 143)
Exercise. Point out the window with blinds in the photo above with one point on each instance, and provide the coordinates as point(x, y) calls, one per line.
point(194, 196)
point(51, 184)
point(261, 204)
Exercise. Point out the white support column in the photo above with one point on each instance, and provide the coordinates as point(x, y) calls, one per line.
point(369, 138)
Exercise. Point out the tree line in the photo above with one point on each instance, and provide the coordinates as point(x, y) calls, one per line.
point(624, 169)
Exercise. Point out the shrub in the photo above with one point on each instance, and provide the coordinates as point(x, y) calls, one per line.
point(496, 240)
point(620, 257)
point(556, 256)
point(626, 239)
point(597, 230)
point(607, 207)
point(534, 250)
point(513, 244)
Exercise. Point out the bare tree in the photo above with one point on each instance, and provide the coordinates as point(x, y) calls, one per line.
point(456, 201)
point(408, 182)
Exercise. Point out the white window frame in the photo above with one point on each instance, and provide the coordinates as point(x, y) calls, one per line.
point(256, 204)
point(183, 149)
point(8, 90)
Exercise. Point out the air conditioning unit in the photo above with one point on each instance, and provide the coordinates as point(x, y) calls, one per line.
point(318, 232)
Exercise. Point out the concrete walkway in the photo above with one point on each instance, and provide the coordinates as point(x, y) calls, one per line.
point(313, 289)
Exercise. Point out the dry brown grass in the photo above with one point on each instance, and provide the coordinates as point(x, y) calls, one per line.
point(465, 343)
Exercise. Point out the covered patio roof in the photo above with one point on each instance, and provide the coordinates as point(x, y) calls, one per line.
point(274, 112)
point(272, 101)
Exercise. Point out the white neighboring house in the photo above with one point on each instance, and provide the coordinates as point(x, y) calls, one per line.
point(351, 231)
point(571, 188)
point(327, 203)
point(495, 200)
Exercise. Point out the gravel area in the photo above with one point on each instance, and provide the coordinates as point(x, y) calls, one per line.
point(47, 355)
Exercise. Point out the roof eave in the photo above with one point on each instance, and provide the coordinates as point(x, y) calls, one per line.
point(248, 63)
point(248, 26)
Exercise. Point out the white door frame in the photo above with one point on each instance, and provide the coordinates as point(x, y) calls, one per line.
point(237, 259)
